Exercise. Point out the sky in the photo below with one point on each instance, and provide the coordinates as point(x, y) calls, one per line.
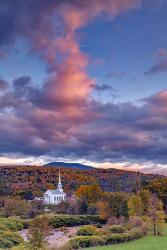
point(84, 81)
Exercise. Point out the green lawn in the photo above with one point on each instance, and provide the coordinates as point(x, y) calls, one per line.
point(146, 243)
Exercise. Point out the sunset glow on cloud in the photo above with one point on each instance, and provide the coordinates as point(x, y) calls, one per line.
point(84, 81)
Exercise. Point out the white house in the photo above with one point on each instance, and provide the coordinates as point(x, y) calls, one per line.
point(55, 196)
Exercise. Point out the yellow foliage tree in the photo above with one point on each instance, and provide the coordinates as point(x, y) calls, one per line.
point(135, 206)
point(91, 193)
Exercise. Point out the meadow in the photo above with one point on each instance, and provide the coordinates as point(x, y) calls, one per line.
point(147, 243)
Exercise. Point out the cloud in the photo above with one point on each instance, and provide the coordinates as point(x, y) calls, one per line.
point(160, 67)
point(50, 28)
point(3, 85)
point(104, 87)
point(96, 132)
point(60, 118)
point(161, 52)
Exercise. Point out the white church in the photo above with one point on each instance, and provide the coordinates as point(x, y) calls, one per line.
point(55, 196)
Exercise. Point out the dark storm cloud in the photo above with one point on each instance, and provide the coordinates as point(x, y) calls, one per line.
point(107, 132)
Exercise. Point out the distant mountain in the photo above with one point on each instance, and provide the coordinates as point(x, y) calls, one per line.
point(68, 165)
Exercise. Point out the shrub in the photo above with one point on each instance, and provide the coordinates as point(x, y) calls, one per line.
point(87, 230)
point(117, 229)
point(26, 223)
point(133, 234)
point(116, 221)
point(20, 247)
point(9, 239)
point(135, 221)
point(12, 223)
point(73, 220)
point(86, 241)
point(117, 238)
point(99, 225)
point(104, 239)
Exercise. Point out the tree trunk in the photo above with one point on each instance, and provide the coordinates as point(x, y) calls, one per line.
point(154, 229)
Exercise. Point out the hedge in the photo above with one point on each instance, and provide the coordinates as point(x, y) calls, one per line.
point(73, 220)
point(117, 229)
point(9, 239)
point(133, 234)
point(12, 223)
point(88, 230)
point(87, 241)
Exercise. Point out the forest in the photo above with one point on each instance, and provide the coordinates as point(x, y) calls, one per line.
point(30, 181)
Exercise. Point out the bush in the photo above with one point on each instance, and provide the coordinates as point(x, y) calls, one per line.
point(87, 230)
point(134, 234)
point(117, 238)
point(26, 223)
point(116, 229)
point(20, 247)
point(12, 223)
point(99, 225)
point(116, 221)
point(135, 221)
point(9, 239)
point(73, 220)
point(86, 241)
point(110, 238)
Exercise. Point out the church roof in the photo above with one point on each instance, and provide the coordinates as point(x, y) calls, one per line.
point(56, 192)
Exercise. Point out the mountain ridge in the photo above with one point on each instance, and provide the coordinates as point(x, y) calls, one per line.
point(68, 165)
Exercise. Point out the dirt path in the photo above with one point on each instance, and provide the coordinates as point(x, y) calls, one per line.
point(57, 238)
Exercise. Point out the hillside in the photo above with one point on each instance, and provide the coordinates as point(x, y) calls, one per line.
point(29, 180)
point(68, 165)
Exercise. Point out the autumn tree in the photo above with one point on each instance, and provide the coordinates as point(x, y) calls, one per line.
point(38, 231)
point(118, 205)
point(159, 188)
point(36, 208)
point(90, 193)
point(16, 207)
point(156, 215)
point(103, 209)
point(135, 205)
point(145, 196)
point(113, 205)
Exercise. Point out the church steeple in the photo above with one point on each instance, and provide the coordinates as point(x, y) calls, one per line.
point(59, 186)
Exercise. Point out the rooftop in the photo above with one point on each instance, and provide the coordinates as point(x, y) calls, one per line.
point(56, 191)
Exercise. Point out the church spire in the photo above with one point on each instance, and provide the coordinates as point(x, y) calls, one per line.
point(59, 177)
point(59, 186)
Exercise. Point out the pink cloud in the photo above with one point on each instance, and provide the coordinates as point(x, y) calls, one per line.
point(69, 83)
point(161, 52)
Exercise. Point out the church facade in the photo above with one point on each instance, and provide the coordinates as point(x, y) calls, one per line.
point(55, 196)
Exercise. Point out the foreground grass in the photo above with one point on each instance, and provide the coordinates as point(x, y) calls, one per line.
point(146, 243)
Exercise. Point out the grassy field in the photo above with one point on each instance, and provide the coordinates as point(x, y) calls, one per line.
point(146, 243)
